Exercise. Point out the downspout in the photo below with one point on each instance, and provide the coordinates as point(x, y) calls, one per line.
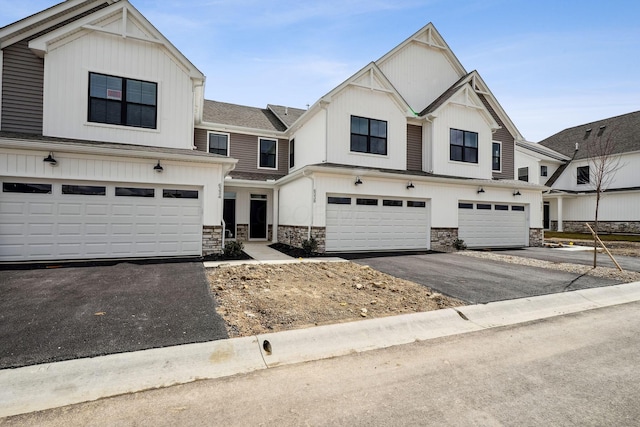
point(313, 199)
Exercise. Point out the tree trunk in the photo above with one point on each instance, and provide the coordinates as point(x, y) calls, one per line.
point(595, 229)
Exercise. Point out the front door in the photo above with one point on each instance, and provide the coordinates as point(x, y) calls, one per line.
point(229, 216)
point(546, 223)
point(258, 219)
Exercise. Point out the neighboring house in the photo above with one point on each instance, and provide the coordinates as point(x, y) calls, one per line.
point(571, 201)
point(411, 152)
point(96, 140)
point(109, 150)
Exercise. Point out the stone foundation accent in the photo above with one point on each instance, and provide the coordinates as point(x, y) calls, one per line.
point(294, 235)
point(632, 227)
point(442, 239)
point(242, 232)
point(211, 239)
point(536, 237)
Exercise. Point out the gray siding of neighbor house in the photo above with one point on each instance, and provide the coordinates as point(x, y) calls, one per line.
point(508, 144)
point(22, 88)
point(414, 148)
point(245, 149)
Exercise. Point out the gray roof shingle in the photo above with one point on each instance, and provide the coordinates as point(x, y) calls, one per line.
point(287, 115)
point(624, 131)
point(241, 115)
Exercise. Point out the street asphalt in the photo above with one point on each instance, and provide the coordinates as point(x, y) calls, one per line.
point(49, 315)
point(477, 280)
point(575, 257)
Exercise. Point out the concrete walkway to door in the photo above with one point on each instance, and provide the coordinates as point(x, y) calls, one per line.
point(260, 251)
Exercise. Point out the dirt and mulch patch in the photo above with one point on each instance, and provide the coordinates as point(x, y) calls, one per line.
point(616, 247)
point(256, 299)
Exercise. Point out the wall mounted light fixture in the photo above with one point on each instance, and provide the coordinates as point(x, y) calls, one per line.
point(158, 168)
point(410, 185)
point(49, 159)
point(358, 180)
point(516, 193)
point(480, 190)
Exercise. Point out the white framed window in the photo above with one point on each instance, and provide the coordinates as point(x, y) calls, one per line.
point(368, 135)
point(267, 153)
point(292, 153)
point(523, 174)
point(218, 143)
point(463, 146)
point(496, 156)
point(543, 171)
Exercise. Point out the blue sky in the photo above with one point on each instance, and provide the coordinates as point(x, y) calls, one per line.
point(551, 64)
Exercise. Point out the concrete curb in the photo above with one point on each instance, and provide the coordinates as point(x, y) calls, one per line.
point(39, 387)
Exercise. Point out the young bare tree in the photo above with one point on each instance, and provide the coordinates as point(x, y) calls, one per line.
point(603, 165)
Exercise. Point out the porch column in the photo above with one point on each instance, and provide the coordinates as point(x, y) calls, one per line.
point(276, 204)
point(560, 214)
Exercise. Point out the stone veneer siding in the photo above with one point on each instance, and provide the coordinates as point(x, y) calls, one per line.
point(536, 237)
point(442, 239)
point(294, 235)
point(211, 239)
point(603, 226)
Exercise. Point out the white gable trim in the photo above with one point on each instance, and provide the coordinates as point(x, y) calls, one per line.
point(94, 22)
point(373, 73)
point(430, 37)
point(470, 100)
point(45, 19)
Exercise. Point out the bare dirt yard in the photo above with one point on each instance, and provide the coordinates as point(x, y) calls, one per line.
point(622, 248)
point(256, 299)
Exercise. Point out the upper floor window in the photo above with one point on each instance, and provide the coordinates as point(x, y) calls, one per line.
point(219, 143)
point(523, 174)
point(543, 171)
point(496, 155)
point(268, 153)
point(368, 135)
point(292, 153)
point(583, 175)
point(463, 146)
point(121, 101)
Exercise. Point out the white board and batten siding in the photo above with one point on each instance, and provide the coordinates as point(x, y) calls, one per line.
point(493, 225)
point(66, 79)
point(373, 223)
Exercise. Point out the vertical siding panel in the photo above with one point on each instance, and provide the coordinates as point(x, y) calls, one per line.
point(23, 80)
point(414, 148)
point(508, 144)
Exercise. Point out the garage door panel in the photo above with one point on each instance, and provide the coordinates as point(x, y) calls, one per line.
point(57, 226)
point(368, 227)
point(492, 228)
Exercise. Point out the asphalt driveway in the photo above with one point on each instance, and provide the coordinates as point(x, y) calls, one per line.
point(477, 280)
point(575, 257)
point(66, 313)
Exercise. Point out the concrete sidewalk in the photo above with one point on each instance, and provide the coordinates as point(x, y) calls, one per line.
point(263, 254)
point(52, 385)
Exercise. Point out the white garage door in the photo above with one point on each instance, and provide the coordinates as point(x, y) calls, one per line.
point(492, 225)
point(372, 223)
point(59, 220)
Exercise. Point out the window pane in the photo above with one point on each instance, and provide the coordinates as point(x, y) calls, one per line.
point(97, 85)
point(19, 187)
point(359, 143)
point(268, 153)
point(86, 190)
point(378, 128)
point(367, 202)
point(465, 205)
point(359, 125)
point(218, 143)
point(456, 153)
point(470, 155)
point(148, 117)
point(135, 192)
point(517, 208)
point(457, 137)
point(482, 206)
point(180, 194)
point(416, 204)
point(148, 93)
point(496, 164)
point(392, 203)
point(496, 150)
point(134, 91)
point(339, 200)
point(378, 146)
point(502, 207)
point(471, 139)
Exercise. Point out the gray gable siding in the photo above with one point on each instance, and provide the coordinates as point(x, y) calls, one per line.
point(508, 144)
point(245, 149)
point(414, 148)
point(22, 88)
